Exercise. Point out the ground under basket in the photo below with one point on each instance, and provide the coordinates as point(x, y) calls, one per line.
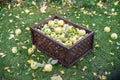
point(67, 56)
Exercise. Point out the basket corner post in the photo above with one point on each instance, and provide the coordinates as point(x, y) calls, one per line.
point(32, 35)
point(92, 40)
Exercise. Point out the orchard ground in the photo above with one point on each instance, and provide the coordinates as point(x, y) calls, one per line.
point(102, 62)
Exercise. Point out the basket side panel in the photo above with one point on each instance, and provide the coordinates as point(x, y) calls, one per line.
point(82, 48)
point(50, 48)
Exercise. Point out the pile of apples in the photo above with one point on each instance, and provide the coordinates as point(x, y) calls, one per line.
point(62, 32)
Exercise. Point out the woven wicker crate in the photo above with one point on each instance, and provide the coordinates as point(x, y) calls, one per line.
point(67, 56)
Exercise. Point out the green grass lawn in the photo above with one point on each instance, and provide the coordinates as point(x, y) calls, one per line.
point(103, 60)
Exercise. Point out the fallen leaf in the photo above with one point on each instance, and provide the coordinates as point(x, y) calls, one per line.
point(27, 11)
point(33, 46)
point(62, 72)
point(44, 7)
point(112, 63)
point(103, 77)
point(27, 28)
point(53, 62)
point(97, 45)
point(93, 58)
point(111, 53)
point(33, 75)
point(10, 20)
point(11, 36)
point(34, 3)
point(9, 6)
point(84, 68)
point(58, 77)
point(24, 47)
point(118, 43)
point(31, 13)
point(2, 55)
point(94, 74)
point(74, 73)
point(74, 66)
point(110, 41)
point(7, 69)
point(30, 61)
point(83, 76)
point(116, 2)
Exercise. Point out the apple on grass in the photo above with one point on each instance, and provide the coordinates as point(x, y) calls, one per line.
point(114, 36)
point(33, 65)
point(107, 29)
point(47, 68)
point(30, 51)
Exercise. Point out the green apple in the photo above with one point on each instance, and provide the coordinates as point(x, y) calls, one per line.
point(33, 65)
point(80, 37)
point(114, 36)
point(73, 39)
point(45, 26)
point(58, 30)
point(59, 40)
point(51, 23)
point(61, 22)
point(53, 34)
point(68, 43)
point(76, 36)
point(70, 29)
point(57, 37)
point(30, 51)
point(47, 31)
point(82, 32)
point(56, 21)
point(107, 29)
point(64, 39)
point(47, 68)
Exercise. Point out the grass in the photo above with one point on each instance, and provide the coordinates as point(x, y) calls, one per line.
point(98, 61)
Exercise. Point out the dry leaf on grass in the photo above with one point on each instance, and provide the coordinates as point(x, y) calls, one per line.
point(102, 77)
point(58, 77)
point(43, 8)
point(2, 54)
